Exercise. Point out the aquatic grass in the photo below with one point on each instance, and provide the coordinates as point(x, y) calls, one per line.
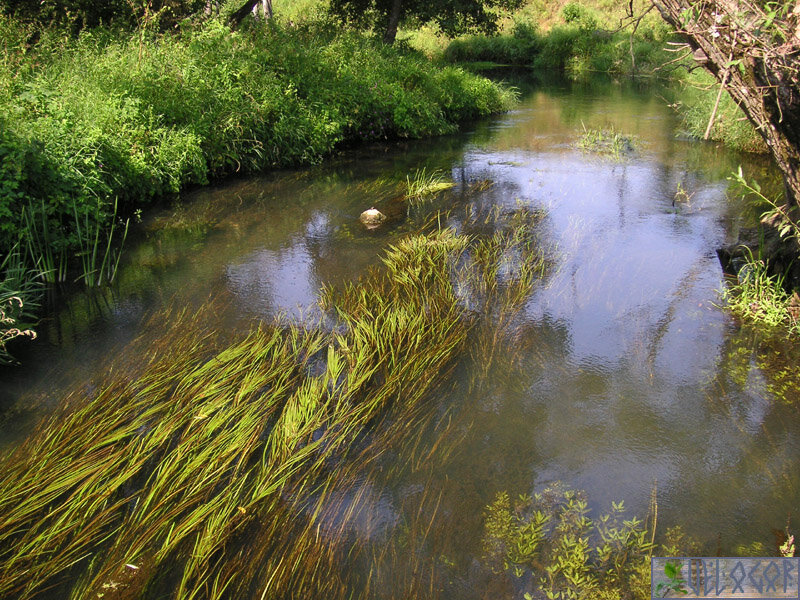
point(96, 269)
point(551, 541)
point(606, 141)
point(759, 297)
point(211, 466)
point(47, 254)
point(422, 185)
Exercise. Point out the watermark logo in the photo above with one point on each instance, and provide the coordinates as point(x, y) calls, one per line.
point(767, 578)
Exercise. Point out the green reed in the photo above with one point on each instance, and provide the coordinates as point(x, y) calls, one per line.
point(206, 465)
point(422, 185)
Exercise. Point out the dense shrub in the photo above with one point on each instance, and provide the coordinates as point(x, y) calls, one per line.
point(107, 118)
point(576, 47)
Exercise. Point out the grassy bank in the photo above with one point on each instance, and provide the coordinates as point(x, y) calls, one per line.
point(695, 98)
point(574, 37)
point(580, 38)
point(95, 128)
point(210, 465)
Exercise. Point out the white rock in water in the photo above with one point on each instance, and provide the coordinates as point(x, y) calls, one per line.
point(372, 217)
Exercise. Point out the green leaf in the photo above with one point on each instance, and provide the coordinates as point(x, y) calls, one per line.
point(671, 570)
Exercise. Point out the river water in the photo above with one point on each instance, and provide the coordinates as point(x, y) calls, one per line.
point(623, 375)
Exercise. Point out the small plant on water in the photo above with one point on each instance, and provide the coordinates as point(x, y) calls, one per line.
point(422, 185)
point(606, 141)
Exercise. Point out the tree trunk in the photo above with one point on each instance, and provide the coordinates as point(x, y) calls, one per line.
point(394, 20)
point(237, 17)
point(760, 75)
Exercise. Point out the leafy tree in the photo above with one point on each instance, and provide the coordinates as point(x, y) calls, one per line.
point(753, 49)
point(452, 16)
point(84, 14)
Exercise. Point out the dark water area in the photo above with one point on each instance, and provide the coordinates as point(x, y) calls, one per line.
point(622, 374)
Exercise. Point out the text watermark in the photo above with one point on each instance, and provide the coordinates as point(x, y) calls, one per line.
point(763, 578)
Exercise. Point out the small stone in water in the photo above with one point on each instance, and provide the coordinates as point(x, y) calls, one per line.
point(372, 217)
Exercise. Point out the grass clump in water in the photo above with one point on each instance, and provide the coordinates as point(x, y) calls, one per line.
point(758, 294)
point(760, 297)
point(422, 185)
point(606, 141)
point(212, 467)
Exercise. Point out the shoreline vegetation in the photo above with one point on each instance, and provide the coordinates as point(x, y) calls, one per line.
point(224, 465)
point(97, 127)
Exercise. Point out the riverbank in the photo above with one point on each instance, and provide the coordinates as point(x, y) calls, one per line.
point(588, 37)
point(95, 129)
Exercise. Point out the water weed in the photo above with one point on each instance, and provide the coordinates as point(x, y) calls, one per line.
point(760, 297)
point(606, 141)
point(567, 555)
point(214, 464)
point(422, 185)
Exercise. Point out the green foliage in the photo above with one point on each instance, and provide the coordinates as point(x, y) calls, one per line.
point(779, 214)
point(93, 128)
point(519, 48)
point(423, 185)
point(577, 13)
point(205, 464)
point(551, 537)
point(694, 102)
point(452, 18)
point(606, 141)
point(675, 583)
point(759, 297)
point(86, 14)
point(577, 45)
point(19, 296)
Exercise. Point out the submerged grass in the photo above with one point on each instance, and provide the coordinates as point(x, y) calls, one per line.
point(422, 185)
point(215, 468)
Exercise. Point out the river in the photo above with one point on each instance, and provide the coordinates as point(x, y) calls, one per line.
point(623, 376)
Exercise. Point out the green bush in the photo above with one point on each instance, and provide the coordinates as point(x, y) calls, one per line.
point(110, 119)
point(519, 48)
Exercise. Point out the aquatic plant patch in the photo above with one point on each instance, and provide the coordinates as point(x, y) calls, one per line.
point(567, 555)
point(206, 464)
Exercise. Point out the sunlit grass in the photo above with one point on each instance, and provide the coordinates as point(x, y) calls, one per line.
point(760, 298)
point(422, 185)
point(606, 141)
point(208, 464)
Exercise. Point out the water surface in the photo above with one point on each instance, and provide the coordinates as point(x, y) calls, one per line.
point(620, 374)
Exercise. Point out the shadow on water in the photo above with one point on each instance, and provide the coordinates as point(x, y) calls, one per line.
point(614, 371)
